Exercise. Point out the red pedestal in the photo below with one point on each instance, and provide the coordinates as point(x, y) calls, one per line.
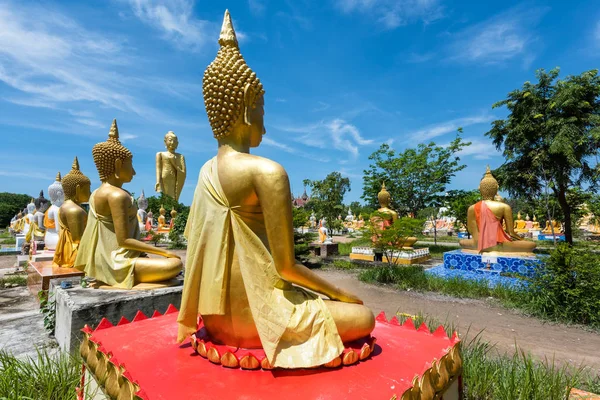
point(141, 360)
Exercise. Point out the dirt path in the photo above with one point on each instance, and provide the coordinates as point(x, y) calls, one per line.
point(500, 326)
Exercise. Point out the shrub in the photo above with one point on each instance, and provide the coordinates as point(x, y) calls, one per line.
point(567, 287)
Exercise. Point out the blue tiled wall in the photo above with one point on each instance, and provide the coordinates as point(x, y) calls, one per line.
point(472, 262)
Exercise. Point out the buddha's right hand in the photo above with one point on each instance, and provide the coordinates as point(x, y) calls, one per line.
point(346, 297)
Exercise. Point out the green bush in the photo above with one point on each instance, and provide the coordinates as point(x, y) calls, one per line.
point(567, 287)
point(344, 264)
point(19, 280)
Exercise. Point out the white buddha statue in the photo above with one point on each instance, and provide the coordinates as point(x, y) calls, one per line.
point(142, 215)
point(57, 197)
point(29, 211)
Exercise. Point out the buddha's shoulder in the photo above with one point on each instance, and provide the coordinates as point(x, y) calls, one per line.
point(260, 165)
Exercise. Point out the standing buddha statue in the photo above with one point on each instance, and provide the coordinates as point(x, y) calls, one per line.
point(241, 275)
point(110, 249)
point(57, 197)
point(170, 168)
point(485, 223)
point(71, 217)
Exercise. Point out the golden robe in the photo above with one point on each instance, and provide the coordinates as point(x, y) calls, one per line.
point(100, 256)
point(66, 249)
point(295, 326)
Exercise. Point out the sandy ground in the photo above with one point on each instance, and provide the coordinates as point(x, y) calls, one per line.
point(500, 326)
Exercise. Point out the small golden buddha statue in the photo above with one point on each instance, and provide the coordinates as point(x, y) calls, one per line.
point(170, 168)
point(387, 216)
point(72, 218)
point(536, 225)
point(520, 225)
point(173, 216)
point(241, 274)
point(485, 221)
point(162, 220)
point(552, 227)
point(110, 250)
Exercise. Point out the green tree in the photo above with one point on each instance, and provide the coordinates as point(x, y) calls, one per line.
point(550, 139)
point(390, 240)
point(300, 217)
point(10, 205)
point(327, 197)
point(416, 177)
point(358, 209)
point(458, 203)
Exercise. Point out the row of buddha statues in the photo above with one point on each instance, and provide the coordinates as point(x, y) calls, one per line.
point(528, 226)
point(146, 218)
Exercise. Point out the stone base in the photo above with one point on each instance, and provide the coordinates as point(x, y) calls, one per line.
point(20, 239)
point(548, 236)
point(408, 261)
point(362, 257)
point(325, 250)
point(408, 256)
point(45, 255)
point(79, 306)
point(40, 273)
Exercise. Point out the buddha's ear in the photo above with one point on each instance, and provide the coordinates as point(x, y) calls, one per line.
point(249, 97)
point(118, 166)
point(77, 192)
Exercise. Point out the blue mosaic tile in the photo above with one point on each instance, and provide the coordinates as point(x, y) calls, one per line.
point(458, 260)
point(493, 279)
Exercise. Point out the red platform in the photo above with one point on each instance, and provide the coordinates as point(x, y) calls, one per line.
point(141, 360)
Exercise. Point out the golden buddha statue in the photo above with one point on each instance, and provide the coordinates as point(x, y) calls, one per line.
point(162, 220)
point(110, 250)
point(485, 219)
point(520, 225)
point(536, 225)
point(170, 168)
point(241, 275)
point(552, 227)
point(17, 224)
point(72, 218)
point(173, 216)
point(387, 216)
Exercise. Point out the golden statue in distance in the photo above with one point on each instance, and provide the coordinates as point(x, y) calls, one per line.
point(388, 216)
point(110, 250)
point(72, 219)
point(161, 226)
point(552, 226)
point(170, 168)
point(485, 223)
point(240, 274)
point(520, 225)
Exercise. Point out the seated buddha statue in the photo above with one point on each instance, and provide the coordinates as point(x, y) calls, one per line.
point(552, 227)
point(142, 215)
point(17, 225)
point(385, 217)
point(162, 226)
point(57, 197)
point(36, 220)
point(28, 216)
point(72, 218)
point(520, 225)
point(528, 223)
point(535, 226)
point(149, 221)
point(170, 168)
point(173, 216)
point(484, 221)
point(241, 275)
point(110, 249)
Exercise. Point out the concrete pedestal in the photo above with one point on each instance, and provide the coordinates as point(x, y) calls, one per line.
point(79, 306)
point(20, 239)
point(44, 255)
point(325, 250)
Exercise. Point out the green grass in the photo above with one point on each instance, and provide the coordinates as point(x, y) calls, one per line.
point(8, 240)
point(437, 251)
point(489, 375)
point(345, 249)
point(20, 280)
point(46, 377)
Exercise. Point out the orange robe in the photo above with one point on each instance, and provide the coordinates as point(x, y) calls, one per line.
point(66, 249)
point(490, 229)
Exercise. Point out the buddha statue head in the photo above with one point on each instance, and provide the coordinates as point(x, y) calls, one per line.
point(150, 215)
point(233, 95)
point(173, 213)
point(114, 161)
point(488, 187)
point(384, 197)
point(41, 203)
point(55, 191)
point(76, 186)
point(31, 207)
point(527, 217)
point(20, 215)
point(142, 202)
point(162, 210)
point(519, 215)
point(171, 141)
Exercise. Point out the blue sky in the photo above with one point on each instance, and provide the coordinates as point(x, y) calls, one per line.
point(341, 77)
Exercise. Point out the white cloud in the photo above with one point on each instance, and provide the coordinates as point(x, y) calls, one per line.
point(288, 149)
point(480, 149)
point(498, 39)
point(335, 134)
point(127, 136)
point(257, 7)
point(175, 19)
point(27, 174)
point(321, 106)
point(394, 13)
point(433, 131)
